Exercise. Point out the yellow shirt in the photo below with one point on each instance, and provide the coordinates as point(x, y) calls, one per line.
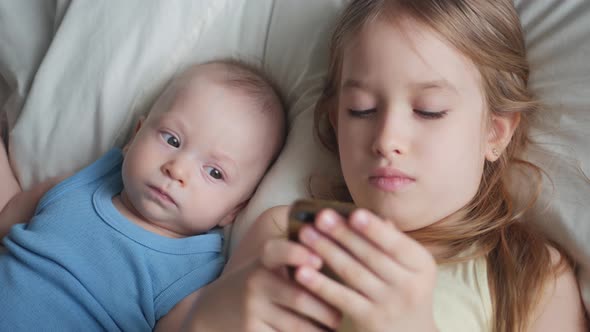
point(462, 300)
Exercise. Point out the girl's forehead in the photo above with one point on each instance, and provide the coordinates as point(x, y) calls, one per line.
point(406, 50)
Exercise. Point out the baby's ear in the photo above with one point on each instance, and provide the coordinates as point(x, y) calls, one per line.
point(501, 130)
point(137, 127)
point(230, 217)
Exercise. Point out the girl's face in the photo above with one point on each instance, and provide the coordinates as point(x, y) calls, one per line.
point(410, 124)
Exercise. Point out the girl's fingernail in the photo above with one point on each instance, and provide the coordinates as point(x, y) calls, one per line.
point(327, 221)
point(304, 274)
point(360, 219)
point(315, 261)
point(308, 235)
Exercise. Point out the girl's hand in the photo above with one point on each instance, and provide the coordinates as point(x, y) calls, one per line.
point(388, 278)
point(260, 297)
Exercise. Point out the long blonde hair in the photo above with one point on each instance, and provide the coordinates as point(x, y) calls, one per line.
point(490, 35)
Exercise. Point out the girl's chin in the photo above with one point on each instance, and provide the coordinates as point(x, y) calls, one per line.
point(402, 219)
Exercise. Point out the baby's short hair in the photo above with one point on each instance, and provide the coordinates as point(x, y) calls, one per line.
point(253, 80)
point(244, 76)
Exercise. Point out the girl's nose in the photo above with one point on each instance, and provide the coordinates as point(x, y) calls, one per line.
point(390, 136)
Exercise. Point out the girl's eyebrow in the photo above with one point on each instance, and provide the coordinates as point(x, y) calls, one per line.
point(354, 84)
point(441, 84)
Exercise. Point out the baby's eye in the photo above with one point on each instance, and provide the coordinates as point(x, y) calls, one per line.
point(214, 173)
point(171, 139)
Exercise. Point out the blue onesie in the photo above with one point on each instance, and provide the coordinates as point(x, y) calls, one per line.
point(79, 265)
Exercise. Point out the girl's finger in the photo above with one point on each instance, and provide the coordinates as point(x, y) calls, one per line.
point(300, 303)
point(405, 250)
point(282, 319)
point(330, 223)
point(353, 273)
point(279, 252)
point(350, 302)
point(278, 319)
point(260, 325)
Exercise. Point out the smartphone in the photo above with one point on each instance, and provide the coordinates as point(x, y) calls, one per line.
point(304, 212)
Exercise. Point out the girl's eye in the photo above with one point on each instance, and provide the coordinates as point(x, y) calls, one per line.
point(214, 173)
point(361, 113)
point(171, 140)
point(430, 115)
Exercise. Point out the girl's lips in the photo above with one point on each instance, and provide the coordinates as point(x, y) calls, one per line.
point(389, 172)
point(391, 183)
point(390, 179)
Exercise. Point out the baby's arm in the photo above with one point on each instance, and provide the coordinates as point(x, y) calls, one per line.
point(272, 223)
point(10, 186)
point(21, 207)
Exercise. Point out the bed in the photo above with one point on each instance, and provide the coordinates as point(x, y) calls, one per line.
point(76, 74)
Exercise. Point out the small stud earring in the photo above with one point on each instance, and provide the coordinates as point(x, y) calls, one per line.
point(495, 152)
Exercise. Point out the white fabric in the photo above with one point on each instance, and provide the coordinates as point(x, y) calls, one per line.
point(558, 44)
point(461, 299)
point(75, 75)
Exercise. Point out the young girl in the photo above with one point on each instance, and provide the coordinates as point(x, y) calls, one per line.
point(427, 106)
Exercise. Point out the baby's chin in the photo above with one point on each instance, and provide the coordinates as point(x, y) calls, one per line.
point(178, 226)
point(166, 229)
point(159, 221)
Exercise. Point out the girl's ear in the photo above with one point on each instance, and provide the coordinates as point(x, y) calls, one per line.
point(501, 130)
point(137, 127)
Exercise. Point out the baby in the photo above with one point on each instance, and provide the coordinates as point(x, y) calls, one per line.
point(117, 245)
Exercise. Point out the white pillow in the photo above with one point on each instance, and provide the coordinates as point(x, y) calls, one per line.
point(77, 74)
point(105, 65)
point(558, 44)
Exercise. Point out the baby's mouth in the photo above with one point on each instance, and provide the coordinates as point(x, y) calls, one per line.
point(163, 195)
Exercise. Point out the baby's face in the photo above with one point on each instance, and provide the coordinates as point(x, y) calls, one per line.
point(189, 168)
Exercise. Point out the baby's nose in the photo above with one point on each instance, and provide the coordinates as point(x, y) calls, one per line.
point(178, 170)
